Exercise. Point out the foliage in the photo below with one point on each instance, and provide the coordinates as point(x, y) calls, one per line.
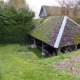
point(19, 63)
point(18, 3)
point(78, 19)
point(15, 24)
point(70, 8)
point(38, 21)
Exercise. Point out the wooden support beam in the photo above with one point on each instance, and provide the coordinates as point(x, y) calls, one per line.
point(43, 49)
point(34, 41)
point(57, 51)
point(75, 46)
point(34, 45)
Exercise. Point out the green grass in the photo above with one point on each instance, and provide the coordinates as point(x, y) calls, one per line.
point(19, 63)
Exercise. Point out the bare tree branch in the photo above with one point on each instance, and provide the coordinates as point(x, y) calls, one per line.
point(69, 7)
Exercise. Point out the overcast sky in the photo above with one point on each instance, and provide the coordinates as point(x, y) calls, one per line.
point(35, 5)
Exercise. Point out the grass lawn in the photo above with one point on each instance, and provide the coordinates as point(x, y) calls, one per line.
point(19, 63)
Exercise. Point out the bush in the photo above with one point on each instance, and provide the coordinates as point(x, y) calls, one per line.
point(15, 24)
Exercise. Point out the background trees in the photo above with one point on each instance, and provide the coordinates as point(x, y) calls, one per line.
point(70, 8)
point(18, 3)
point(1, 2)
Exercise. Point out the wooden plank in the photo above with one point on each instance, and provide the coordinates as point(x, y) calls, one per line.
point(76, 47)
point(58, 51)
point(34, 41)
point(43, 53)
point(34, 45)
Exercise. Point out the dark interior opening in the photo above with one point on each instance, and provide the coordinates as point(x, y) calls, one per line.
point(38, 43)
point(48, 48)
point(68, 48)
point(62, 49)
point(78, 46)
point(52, 50)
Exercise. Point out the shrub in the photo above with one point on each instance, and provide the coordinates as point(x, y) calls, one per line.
point(15, 24)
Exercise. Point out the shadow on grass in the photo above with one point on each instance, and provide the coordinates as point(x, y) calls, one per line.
point(37, 51)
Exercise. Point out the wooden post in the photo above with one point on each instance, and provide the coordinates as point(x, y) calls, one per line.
point(57, 51)
point(75, 46)
point(43, 49)
point(34, 45)
point(34, 42)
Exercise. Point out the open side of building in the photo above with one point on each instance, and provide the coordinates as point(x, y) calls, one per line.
point(57, 33)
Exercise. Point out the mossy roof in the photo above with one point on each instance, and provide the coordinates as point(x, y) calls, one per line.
point(44, 31)
point(50, 32)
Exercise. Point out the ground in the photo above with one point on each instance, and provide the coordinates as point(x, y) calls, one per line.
point(20, 63)
point(70, 64)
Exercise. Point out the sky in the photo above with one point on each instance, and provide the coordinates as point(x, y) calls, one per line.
point(35, 5)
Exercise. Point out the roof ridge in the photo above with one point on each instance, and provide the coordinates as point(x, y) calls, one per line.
point(56, 45)
point(49, 6)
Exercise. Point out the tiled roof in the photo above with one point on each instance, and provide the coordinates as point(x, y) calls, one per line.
point(51, 10)
point(56, 10)
point(48, 32)
point(71, 34)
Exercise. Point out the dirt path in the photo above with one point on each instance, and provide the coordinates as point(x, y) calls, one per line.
point(70, 64)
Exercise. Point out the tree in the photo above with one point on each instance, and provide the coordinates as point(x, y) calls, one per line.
point(18, 3)
point(69, 7)
point(1, 2)
point(15, 24)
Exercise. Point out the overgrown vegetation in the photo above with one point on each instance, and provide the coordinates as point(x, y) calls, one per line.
point(19, 63)
point(78, 19)
point(15, 24)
